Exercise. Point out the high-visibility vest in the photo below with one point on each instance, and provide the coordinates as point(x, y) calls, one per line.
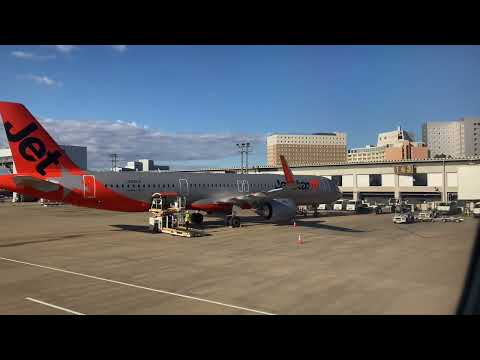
point(187, 217)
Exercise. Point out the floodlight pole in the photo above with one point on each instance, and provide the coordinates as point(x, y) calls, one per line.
point(246, 154)
point(241, 147)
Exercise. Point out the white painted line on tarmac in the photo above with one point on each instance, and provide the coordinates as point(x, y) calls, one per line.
point(54, 306)
point(139, 286)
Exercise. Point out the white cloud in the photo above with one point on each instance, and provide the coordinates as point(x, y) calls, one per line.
point(30, 56)
point(65, 48)
point(119, 48)
point(41, 80)
point(132, 141)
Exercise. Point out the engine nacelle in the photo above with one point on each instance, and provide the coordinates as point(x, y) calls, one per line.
point(278, 210)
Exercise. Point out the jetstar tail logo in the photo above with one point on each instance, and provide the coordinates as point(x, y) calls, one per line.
point(32, 148)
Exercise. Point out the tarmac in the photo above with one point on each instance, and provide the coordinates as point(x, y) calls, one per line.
point(69, 260)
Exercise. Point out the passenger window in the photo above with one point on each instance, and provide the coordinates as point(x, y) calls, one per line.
point(122, 185)
point(128, 185)
point(117, 185)
point(106, 185)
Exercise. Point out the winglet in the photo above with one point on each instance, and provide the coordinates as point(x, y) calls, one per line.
point(286, 171)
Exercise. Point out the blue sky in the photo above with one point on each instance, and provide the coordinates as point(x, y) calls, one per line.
point(194, 96)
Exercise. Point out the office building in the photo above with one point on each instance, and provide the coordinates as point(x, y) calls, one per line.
point(392, 145)
point(453, 138)
point(302, 149)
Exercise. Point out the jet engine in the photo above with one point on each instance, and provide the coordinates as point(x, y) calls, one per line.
point(277, 210)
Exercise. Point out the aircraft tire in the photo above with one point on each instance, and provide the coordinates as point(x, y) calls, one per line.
point(197, 218)
point(235, 221)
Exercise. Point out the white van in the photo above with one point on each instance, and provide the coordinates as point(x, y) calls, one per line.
point(340, 205)
point(353, 205)
point(324, 207)
point(476, 210)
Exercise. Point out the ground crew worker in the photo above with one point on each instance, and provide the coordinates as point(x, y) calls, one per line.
point(188, 218)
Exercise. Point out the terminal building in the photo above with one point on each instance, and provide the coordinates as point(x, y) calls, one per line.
point(413, 180)
point(307, 148)
point(142, 165)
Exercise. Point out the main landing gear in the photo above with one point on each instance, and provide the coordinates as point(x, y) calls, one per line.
point(233, 220)
point(197, 218)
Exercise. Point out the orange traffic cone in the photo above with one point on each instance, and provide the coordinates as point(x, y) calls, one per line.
point(300, 240)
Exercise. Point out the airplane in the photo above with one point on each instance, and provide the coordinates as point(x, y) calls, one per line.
point(43, 170)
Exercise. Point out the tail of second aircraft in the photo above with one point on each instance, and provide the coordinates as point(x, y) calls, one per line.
point(33, 149)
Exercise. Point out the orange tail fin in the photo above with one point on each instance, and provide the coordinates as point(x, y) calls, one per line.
point(33, 149)
point(286, 171)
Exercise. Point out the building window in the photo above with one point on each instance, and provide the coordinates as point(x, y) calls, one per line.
point(337, 179)
point(375, 180)
point(419, 179)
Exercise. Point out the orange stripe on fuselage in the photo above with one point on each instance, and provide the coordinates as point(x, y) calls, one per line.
point(105, 199)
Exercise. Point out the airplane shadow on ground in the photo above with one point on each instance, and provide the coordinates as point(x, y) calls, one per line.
point(246, 222)
point(141, 228)
point(318, 225)
point(136, 228)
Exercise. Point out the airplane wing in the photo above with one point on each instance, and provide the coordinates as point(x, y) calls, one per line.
point(254, 199)
point(243, 201)
point(36, 183)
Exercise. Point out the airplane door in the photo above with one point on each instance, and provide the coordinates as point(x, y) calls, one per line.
point(240, 185)
point(246, 187)
point(184, 188)
point(89, 188)
point(243, 186)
